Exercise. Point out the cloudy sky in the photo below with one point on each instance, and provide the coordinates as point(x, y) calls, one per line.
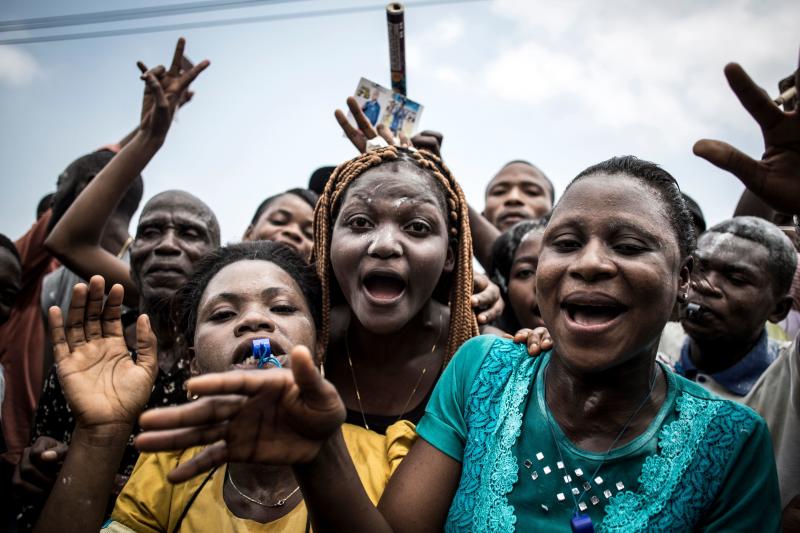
point(563, 84)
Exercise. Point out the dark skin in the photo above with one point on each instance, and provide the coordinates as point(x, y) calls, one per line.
point(173, 230)
point(731, 283)
point(75, 240)
point(606, 252)
point(388, 250)
point(486, 300)
point(10, 282)
point(522, 281)
point(287, 219)
point(518, 192)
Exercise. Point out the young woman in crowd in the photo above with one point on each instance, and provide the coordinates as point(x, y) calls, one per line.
point(634, 447)
point(287, 217)
point(237, 294)
point(515, 256)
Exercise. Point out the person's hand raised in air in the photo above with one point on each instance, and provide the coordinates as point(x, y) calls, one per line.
point(166, 90)
point(105, 388)
point(776, 176)
point(276, 416)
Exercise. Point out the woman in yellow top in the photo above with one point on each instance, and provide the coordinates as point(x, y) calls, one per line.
point(237, 294)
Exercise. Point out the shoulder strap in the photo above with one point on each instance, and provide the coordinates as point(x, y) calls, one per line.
point(192, 499)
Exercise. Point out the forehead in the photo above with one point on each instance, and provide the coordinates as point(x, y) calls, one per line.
point(729, 248)
point(165, 213)
point(520, 173)
point(530, 245)
point(291, 203)
point(603, 201)
point(248, 277)
point(402, 181)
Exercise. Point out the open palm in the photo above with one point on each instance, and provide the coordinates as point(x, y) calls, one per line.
point(102, 383)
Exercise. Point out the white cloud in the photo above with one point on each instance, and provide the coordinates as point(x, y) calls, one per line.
point(656, 66)
point(447, 74)
point(17, 67)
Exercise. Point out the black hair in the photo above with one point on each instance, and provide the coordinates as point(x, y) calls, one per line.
point(697, 213)
point(9, 245)
point(44, 204)
point(503, 251)
point(319, 178)
point(307, 195)
point(782, 261)
point(187, 298)
point(662, 183)
point(537, 169)
point(78, 174)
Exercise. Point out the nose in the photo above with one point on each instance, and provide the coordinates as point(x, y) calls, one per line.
point(168, 245)
point(385, 243)
point(703, 285)
point(254, 321)
point(293, 234)
point(513, 197)
point(592, 263)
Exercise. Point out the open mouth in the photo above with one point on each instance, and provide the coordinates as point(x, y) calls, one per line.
point(592, 310)
point(244, 359)
point(384, 286)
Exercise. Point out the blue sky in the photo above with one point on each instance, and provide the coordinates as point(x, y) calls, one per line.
point(563, 85)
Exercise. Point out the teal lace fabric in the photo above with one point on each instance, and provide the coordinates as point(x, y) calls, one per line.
point(678, 485)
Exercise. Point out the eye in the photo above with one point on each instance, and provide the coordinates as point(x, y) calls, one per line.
point(566, 245)
point(359, 222)
point(418, 226)
point(630, 248)
point(737, 280)
point(533, 191)
point(283, 309)
point(497, 191)
point(277, 221)
point(524, 273)
point(221, 315)
point(149, 232)
point(191, 233)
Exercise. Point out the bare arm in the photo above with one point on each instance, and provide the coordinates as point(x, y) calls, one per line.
point(483, 236)
point(106, 390)
point(75, 240)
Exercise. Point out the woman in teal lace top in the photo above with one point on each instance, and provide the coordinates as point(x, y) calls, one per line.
point(592, 431)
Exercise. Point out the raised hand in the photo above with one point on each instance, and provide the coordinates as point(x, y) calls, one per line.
point(166, 90)
point(104, 386)
point(366, 132)
point(776, 176)
point(276, 416)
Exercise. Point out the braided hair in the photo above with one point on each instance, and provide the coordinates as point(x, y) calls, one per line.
point(462, 320)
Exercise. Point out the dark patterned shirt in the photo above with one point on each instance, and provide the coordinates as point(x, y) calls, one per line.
point(54, 419)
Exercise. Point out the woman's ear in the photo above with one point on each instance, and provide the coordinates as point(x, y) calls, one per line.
point(247, 232)
point(194, 370)
point(685, 277)
point(450, 260)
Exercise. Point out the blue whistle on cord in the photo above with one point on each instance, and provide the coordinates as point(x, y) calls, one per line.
point(581, 523)
point(263, 352)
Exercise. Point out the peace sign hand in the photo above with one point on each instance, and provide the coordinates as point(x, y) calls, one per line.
point(776, 177)
point(165, 91)
point(105, 388)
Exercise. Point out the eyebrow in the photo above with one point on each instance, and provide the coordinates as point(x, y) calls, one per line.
point(724, 266)
point(526, 259)
point(620, 225)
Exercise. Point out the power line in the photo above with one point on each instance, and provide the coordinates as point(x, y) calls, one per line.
point(130, 14)
point(224, 22)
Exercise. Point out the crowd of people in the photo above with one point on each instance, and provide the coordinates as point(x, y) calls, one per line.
point(619, 366)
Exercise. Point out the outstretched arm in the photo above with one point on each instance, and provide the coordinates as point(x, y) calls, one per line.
point(776, 176)
point(75, 240)
point(106, 390)
point(293, 417)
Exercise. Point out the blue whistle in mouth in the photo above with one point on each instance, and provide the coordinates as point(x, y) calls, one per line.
point(263, 352)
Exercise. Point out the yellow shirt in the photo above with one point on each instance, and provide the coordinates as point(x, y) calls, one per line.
point(150, 503)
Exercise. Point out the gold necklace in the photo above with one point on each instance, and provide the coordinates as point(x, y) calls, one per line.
point(413, 391)
point(279, 503)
